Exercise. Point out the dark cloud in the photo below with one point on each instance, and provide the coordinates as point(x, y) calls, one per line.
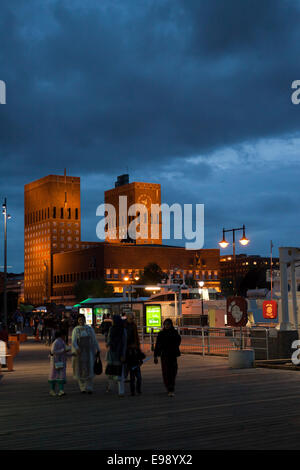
point(101, 86)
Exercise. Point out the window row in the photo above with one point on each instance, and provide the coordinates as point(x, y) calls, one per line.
point(74, 277)
point(44, 214)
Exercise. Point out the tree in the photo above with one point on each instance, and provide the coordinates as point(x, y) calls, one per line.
point(152, 275)
point(95, 288)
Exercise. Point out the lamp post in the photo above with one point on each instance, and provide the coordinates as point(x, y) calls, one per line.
point(126, 279)
point(6, 217)
point(201, 285)
point(224, 244)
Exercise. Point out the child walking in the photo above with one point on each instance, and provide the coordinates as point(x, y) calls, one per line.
point(134, 361)
point(58, 364)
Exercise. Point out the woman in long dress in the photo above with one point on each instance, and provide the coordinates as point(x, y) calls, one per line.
point(85, 348)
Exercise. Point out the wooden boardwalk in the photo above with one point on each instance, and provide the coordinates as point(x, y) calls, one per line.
point(214, 408)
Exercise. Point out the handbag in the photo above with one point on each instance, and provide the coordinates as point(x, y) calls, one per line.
point(59, 365)
point(98, 366)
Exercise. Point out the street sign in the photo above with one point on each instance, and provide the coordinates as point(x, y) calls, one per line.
point(270, 309)
point(237, 311)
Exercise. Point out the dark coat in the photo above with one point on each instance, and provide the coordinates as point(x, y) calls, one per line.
point(132, 335)
point(105, 326)
point(167, 343)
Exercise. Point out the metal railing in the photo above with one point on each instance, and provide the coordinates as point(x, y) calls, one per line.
point(214, 341)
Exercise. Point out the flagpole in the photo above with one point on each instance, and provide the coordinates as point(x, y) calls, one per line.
point(271, 271)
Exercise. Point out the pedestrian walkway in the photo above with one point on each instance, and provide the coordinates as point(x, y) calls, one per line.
point(214, 408)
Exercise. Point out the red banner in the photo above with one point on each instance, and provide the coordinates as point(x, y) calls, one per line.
point(270, 309)
point(237, 311)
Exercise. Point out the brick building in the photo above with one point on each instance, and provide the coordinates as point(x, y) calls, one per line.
point(113, 262)
point(243, 264)
point(146, 194)
point(55, 257)
point(51, 225)
point(14, 283)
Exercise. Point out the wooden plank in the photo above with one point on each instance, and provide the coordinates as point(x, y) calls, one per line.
point(214, 408)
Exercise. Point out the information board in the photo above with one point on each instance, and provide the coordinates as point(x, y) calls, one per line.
point(153, 318)
point(88, 313)
point(99, 312)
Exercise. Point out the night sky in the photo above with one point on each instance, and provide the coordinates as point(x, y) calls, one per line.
point(192, 94)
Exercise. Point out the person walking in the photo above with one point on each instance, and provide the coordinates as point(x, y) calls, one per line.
point(41, 328)
point(167, 348)
point(65, 324)
point(49, 324)
point(133, 356)
point(85, 348)
point(19, 321)
point(105, 325)
point(116, 344)
point(58, 364)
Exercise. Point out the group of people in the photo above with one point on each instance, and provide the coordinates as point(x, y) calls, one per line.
point(45, 326)
point(124, 356)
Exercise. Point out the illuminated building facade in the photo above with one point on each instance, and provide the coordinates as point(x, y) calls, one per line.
point(146, 194)
point(115, 262)
point(51, 225)
point(56, 258)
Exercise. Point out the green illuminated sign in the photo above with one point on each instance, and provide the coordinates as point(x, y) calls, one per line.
point(153, 318)
point(99, 312)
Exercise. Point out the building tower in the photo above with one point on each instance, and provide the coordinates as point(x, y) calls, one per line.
point(147, 194)
point(52, 223)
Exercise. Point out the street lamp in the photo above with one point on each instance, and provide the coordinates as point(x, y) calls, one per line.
point(6, 217)
point(243, 241)
point(201, 284)
point(126, 279)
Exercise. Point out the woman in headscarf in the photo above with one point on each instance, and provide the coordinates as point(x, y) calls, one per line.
point(116, 343)
point(167, 347)
point(85, 348)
